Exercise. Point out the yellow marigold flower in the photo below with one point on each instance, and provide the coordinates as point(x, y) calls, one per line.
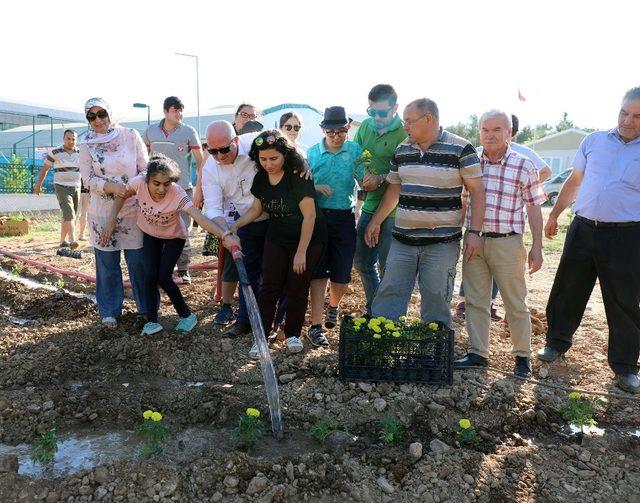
point(402, 318)
point(389, 326)
point(147, 414)
point(433, 325)
point(396, 334)
point(377, 329)
point(464, 424)
point(366, 154)
point(357, 328)
point(575, 395)
point(360, 320)
point(377, 336)
point(156, 416)
point(253, 412)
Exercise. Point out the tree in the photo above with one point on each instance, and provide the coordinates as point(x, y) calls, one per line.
point(468, 131)
point(565, 123)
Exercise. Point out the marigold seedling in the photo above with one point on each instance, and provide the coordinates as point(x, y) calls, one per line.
point(44, 448)
point(391, 430)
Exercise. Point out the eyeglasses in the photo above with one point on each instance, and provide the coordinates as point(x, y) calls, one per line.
point(372, 112)
point(289, 127)
point(333, 132)
point(245, 115)
point(101, 114)
point(410, 123)
point(221, 150)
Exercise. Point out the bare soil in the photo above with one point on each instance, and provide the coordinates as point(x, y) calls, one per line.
point(64, 368)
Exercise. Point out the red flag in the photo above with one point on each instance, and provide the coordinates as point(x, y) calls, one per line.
point(520, 96)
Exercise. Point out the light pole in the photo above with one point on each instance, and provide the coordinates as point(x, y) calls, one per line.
point(144, 105)
point(45, 116)
point(197, 84)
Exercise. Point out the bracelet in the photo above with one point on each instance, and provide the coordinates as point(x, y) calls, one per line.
point(473, 231)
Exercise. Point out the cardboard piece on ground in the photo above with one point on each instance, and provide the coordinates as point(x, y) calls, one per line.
point(13, 227)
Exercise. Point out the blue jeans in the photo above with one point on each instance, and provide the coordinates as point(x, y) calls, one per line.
point(109, 286)
point(435, 268)
point(252, 238)
point(371, 262)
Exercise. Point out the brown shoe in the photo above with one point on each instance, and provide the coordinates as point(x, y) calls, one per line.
point(494, 314)
point(237, 329)
point(460, 308)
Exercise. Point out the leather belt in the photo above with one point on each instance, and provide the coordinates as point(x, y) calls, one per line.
point(606, 225)
point(498, 234)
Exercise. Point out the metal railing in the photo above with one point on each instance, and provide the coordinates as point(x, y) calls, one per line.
point(22, 178)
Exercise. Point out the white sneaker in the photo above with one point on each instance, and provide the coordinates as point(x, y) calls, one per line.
point(253, 352)
point(294, 345)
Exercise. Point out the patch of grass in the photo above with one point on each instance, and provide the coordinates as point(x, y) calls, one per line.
point(44, 448)
point(391, 430)
point(16, 270)
point(321, 429)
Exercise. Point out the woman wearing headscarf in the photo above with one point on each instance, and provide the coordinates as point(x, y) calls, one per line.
point(111, 155)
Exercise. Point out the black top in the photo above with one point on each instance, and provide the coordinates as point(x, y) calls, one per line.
point(281, 202)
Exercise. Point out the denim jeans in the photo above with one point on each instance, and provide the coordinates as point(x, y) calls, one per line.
point(109, 286)
point(434, 266)
point(370, 262)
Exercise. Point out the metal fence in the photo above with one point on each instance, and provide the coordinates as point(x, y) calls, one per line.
point(22, 178)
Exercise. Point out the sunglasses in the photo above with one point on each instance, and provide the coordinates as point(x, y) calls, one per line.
point(289, 127)
point(101, 114)
point(245, 115)
point(333, 132)
point(372, 112)
point(221, 150)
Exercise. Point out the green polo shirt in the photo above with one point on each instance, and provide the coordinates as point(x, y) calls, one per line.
point(382, 148)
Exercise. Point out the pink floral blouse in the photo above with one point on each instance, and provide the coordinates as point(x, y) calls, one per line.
point(116, 156)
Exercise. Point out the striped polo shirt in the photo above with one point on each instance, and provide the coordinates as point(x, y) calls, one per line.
point(66, 169)
point(430, 207)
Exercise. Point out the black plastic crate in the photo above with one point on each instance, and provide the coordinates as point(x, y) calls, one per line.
point(425, 360)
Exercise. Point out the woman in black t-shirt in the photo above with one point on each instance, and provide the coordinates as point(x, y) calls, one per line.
point(296, 237)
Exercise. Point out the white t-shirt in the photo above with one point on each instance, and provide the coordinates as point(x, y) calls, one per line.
point(225, 184)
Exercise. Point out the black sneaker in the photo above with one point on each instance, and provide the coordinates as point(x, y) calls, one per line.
point(316, 337)
point(224, 316)
point(522, 367)
point(237, 329)
point(331, 320)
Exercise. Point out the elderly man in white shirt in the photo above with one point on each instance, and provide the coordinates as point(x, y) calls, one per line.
point(227, 176)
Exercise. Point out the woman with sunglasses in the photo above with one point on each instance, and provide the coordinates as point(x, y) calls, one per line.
point(246, 112)
point(290, 127)
point(112, 153)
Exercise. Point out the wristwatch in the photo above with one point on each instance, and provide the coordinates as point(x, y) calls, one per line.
point(474, 231)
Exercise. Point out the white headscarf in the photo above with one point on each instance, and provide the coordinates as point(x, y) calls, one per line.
point(91, 137)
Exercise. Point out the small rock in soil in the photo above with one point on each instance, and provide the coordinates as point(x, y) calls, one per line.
point(379, 404)
point(365, 386)
point(385, 485)
point(438, 446)
point(415, 451)
point(257, 484)
point(286, 378)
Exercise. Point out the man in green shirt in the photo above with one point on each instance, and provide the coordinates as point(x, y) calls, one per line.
point(378, 135)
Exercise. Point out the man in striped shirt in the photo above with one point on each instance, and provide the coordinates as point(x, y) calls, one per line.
point(511, 183)
point(428, 172)
point(66, 180)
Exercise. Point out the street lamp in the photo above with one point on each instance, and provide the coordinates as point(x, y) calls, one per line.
point(45, 116)
point(144, 105)
point(197, 84)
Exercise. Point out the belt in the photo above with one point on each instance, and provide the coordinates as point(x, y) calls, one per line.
point(498, 234)
point(606, 225)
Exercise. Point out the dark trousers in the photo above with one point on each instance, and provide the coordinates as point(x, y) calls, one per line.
point(252, 238)
point(279, 278)
point(160, 257)
point(611, 256)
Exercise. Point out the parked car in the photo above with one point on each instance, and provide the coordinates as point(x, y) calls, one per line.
point(553, 185)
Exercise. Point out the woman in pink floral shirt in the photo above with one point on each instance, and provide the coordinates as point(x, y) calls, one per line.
point(111, 153)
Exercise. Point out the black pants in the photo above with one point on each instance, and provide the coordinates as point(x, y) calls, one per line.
point(611, 255)
point(278, 277)
point(160, 257)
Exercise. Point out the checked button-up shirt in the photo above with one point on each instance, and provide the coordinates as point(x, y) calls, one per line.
point(510, 184)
